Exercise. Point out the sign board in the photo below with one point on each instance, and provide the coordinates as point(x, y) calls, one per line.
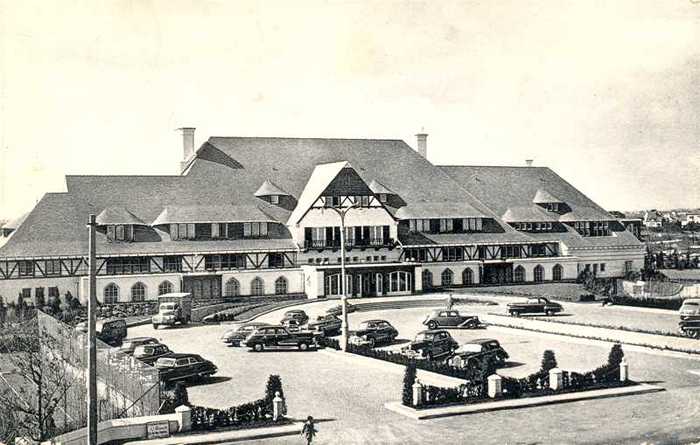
point(158, 430)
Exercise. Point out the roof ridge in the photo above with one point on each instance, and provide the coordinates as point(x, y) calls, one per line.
point(311, 138)
point(496, 166)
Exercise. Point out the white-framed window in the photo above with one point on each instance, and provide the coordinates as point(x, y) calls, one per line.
point(138, 292)
point(274, 199)
point(427, 279)
point(446, 225)
point(254, 229)
point(349, 236)
point(215, 230)
point(557, 272)
point(467, 276)
point(110, 294)
point(166, 287)
point(26, 268)
point(400, 281)
point(52, 267)
point(519, 274)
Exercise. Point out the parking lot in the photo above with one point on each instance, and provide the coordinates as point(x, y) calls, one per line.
point(349, 399)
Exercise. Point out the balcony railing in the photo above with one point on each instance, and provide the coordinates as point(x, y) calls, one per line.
point(335, 244)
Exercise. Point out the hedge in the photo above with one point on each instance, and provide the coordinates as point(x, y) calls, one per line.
point(672, 304)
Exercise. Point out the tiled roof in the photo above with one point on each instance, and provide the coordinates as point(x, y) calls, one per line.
point(379, 188)
point(211, 214)
point(544, 197)
point(268, 188)
point(117, 215)
point(503, 187)
point(531, 213)
point(460, 239)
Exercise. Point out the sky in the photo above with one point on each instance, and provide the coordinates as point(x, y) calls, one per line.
point(603, 92)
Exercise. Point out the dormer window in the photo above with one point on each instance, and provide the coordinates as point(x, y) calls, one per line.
point(120, 232)
point(552, 206)
point(270, 192)
point(274, 199)
point(382, 197)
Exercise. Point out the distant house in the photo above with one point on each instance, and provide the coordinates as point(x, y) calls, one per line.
point(691, 218)
point(653, 219)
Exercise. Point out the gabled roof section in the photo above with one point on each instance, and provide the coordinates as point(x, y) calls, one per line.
point(527, 214)
point(269, 188)
point(211, 214)
point(118, 215)
point(378, 188)
point(322, 176)
point(544, 197)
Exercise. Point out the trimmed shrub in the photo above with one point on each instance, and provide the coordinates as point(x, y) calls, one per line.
point(409, 378)
point(549, 361)
point(616, 355)
point(274, 385)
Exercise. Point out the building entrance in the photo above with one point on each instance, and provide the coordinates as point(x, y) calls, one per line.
point(202, 287)
point(498, 273)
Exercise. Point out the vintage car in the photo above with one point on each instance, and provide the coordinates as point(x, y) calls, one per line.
point(112, 332)
point(690, 309)
point(129, 344)
point(539, 305)
point(178, 367)
point(430, 345)
point(279, 337)
point(441, 318)
point(296, 314)
point(235, 337)
point(338, 310)
point(373, 332)
point(293, 325)
point(474, 352)
point(690, 327)
point(327, 325)
point(149, 354)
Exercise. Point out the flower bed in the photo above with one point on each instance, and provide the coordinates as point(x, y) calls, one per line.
point(534, 385)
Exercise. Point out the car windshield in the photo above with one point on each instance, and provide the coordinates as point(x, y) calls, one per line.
point(127, 345)
point(424, 336)
point(166, 362)
point(532, 301)
point(167, 306)
point(145, 350)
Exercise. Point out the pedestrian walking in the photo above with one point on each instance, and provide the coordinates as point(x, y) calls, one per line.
point(308, 430)
point(450, 303)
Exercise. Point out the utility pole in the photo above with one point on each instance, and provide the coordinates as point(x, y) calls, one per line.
point(92, 346)
point(343, 295)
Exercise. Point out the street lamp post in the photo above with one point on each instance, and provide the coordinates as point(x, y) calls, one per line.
point(343, 295)
point(92, 347)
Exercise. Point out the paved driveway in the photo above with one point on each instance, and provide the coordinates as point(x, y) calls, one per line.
point(350, 399)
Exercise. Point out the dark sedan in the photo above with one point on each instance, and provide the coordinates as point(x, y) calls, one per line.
point(278, 337)
point(177, 367)
point(236, 337)
point(130, 344)
point(149, 354)
point(374, 332)
point(441, 318)
point(296, 314)
point(538, 305)
point(338, 310)
point(473, 353)
point(431, 345)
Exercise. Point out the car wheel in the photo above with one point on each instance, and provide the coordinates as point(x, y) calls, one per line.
point(155, 326)
point(515, 314)
point(303, 346)
point(371, 341)
point(432, 325)
point(549, 313)
point(471, 324)
point(258, 347)
point(473, 363)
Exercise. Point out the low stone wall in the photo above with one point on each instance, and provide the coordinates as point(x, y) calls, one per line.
point(127, 429)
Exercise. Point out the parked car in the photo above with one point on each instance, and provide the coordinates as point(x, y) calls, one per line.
point(278, 337)
point(235, 337)
point(149, 354)
point(690, 309)
point(690, 327)
point(178, 367)
point(374, 332)
point(440, 318)
point(293, 324)
point(112, 332)
point(534, 306)
point(296, 314)
point(431, 345)
point(130, 344)
point(474, 352)
point(338, 310)
point(327, 325)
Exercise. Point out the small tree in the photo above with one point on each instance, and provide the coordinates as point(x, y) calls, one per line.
point(616, 355)
point(180, 396)
point(549, 361)
point(274, 384)
point(409, 378)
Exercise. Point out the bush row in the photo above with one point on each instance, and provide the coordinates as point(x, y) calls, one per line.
point(673, 304)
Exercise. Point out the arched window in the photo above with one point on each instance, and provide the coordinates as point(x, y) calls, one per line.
point(557, 272)
point(519, 274)
point(138, 292)
point(427, 279)
point(467, 276)
point(447, 277)
point(281, 286)
point(111, 294)
point(232, 288)
point(257, 286)
point(539, 274)
point(165, 287)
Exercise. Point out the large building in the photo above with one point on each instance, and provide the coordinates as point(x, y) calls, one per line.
point(259, 216)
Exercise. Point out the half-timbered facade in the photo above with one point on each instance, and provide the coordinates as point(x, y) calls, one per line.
point(260, 216)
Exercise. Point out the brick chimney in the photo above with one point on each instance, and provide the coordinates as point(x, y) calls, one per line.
point(422, 144)
point(187, 146)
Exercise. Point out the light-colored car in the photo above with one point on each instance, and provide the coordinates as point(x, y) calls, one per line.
point(690, 309)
